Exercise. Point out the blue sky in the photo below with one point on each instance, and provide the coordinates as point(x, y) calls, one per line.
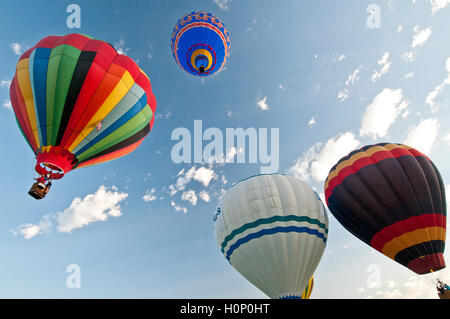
point(315, 70)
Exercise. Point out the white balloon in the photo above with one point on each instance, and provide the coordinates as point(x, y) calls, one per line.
point(273, 230)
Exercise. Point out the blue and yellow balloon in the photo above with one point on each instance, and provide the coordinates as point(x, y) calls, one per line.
point(200, 43)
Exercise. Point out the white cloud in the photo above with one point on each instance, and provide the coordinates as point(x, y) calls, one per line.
point(5, 83)
point(415, 287)
point(400, 28)
point(339, 58)
point(423, 136)
point(120, 47)
point(382, 113)
point(16, 47)
point(163, 116)
point(173, 190)
point(431, 97)
point(190, 196)
point(92, 208)
point(149, 195)
point(410, 75)
point(446, 138)
point(205, 196)
point(7, 104)
point(28, 231)
point(351, 80)
point(312, 122)
point(437, 5)
point(203, 175)
point(222, 4)
point(409, 56)
point(223, 179)
point(385, 65)
point(178, 208)
point(318, 160)
point(420, 36)
point(343, 94)
point(262, 103)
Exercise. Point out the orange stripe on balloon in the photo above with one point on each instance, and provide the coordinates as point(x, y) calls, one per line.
point(409, 239)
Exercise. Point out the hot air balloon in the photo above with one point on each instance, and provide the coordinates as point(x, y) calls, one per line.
point(273, 230)
point(78, 103)
point(200, 43)
point(308, 290)
point(391, 196)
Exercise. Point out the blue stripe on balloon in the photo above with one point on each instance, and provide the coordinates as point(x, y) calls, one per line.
point(272, 231)
point(135, 109)
point(38, 77)
point(291, 297)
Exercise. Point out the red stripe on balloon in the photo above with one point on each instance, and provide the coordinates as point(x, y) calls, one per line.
point(405, 226)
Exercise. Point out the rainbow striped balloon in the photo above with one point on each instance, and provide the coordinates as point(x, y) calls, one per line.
point(200, 43)
point(79, 103)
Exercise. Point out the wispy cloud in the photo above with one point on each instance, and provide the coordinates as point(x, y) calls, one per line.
point(104, 203)
point(190, 196)
point(204, 195)
point(7, 104)
point(437, 5)
point(385, 64)
point(343, 94)
point(120, 47)
point(150, 195)
point(261, 101)
point(382, 113)
point(5, 84)
point(423, 136)
point(178, 208)
point(222, 4)
point(419, 38)
point(431, 97)
point(204, 175)
point(318, 160)
point(17, 48)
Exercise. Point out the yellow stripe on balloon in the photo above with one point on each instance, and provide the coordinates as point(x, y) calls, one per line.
point(198, 52)
point(23, 78)
point(409, 239)
point(121, 89)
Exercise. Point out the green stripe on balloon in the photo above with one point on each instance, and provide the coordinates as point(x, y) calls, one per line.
point(62, 63)
point(273, 219)
point(134, 125)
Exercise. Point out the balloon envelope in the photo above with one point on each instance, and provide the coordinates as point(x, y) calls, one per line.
point(273, 230)
point(78, 103)
point(392, 197)
point(200, 43)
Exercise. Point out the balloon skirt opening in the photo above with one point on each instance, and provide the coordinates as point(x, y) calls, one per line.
point(427, 264)
point(55, 161)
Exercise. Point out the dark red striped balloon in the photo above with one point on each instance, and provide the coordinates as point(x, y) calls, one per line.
point(392, 197)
